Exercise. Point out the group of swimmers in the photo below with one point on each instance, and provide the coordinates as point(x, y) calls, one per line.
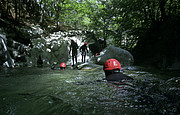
point(111, 67)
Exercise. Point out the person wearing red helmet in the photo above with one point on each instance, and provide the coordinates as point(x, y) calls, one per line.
point(62, 66)
point(84, 51)
point(112, 69)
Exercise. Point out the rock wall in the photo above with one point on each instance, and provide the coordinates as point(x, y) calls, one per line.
point(5, 57)
point(43, 50)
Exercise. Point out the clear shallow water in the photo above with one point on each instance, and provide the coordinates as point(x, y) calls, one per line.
point(36, 91)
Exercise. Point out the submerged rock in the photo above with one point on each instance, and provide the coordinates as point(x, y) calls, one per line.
point(88, 66)
point(123, 56)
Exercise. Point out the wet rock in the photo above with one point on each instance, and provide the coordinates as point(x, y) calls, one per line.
point(123, 56)
point(97, 47)
point(5, 57)
point(88, 66)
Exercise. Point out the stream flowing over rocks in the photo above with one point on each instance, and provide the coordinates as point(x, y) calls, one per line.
point(36, 91)
point(27, 89)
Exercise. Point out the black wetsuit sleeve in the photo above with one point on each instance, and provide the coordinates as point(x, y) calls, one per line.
point(117, 77)
point(76, 46)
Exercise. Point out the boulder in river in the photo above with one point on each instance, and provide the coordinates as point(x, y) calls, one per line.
point(5, 57)
point(123, 56)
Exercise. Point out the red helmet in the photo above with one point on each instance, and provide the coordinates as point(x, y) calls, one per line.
point(85, 43)
point(62, 65)
point(97, 54)
point(112, 64)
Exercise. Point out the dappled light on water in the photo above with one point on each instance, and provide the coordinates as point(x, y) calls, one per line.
point(45, 91)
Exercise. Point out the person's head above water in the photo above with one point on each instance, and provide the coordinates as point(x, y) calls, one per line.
point(112, 69)
point(85, 43)
point(111, 66)
point(62, 66)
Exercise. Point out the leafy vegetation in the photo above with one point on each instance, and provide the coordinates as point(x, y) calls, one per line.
point(130, 24)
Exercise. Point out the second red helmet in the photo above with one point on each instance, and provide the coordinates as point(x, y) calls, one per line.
point(112, 64)
point(85, 43)
point(62, 65)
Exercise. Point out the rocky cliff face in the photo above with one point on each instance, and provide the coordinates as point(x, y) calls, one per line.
point(5, 57)
point(41, 48)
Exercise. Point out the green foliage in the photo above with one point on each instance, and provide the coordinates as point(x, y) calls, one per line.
point(122, 21)
point(125, 21)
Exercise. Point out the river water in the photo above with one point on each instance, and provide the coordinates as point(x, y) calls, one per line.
point(42, 91)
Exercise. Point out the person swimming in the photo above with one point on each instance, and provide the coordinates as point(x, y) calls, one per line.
point(63, 66)
point(112, 69)
point(56, 67)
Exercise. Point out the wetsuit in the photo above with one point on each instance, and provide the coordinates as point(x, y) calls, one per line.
point(74, 48)
point(117, 77)
point(84, 51)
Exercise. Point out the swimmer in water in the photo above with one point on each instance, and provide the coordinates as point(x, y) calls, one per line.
point(112, 69)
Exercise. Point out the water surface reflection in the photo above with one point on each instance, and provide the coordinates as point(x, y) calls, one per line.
point(44, 91)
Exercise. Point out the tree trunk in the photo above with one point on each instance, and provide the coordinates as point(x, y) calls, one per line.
point(20, 6)
point(162, 4)
point(57, 15)
point(15, 10)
